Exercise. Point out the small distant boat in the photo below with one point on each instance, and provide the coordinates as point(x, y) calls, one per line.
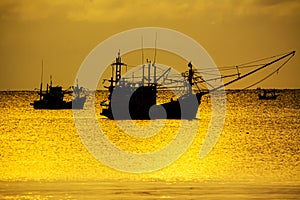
point(267, 95)
point(53, 98)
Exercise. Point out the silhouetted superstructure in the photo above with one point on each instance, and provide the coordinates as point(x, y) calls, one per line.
point(53, 98)
point(137, 100)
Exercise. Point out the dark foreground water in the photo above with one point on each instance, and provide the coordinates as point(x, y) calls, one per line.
point(147, 190)
point(256, 157)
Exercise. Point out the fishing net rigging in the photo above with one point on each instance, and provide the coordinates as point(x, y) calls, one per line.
point(240, 71)
point(269, 75)
point(169, 77)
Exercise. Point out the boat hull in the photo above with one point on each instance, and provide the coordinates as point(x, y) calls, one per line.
point(263, 97)
point(77, 103)
point(185, 107)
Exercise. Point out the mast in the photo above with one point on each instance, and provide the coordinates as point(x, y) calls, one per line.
point(260, 68)
point(143, 75)
point(190, 77)
point(154, 67)
point(118, 67)
point(149, 72)
point(154, 73)
point(41, 86)
point(142, 51)
point(155, 48)
point(118, 70)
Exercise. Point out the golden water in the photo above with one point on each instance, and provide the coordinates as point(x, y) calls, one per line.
point(257, 155)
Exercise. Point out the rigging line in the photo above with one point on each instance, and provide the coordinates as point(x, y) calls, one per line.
point(209, 72)
point(291, 54)
point(234, 66)
point(224, 68)
point(42, 71)
point(207, 83)
point(249, 66)
point(214, 68)
point(142, 50)
point(155, 48)
point(139, 66)
point(213, 74)
point(228, 68)
point(244, 67)
point(264, 59)
point(266, 77)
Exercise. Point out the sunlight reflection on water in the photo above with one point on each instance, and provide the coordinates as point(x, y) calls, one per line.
point(259, 143)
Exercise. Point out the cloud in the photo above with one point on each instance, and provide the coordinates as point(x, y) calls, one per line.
point(272, 2)
point(141, 10)
point(270, 8)
point(27, 10)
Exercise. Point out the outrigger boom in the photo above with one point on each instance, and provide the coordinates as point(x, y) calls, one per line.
point(292, 53)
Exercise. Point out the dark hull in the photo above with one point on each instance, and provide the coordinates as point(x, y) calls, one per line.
point(77, 103)
point(262, 97)
point(137, 100)
point(185, 107)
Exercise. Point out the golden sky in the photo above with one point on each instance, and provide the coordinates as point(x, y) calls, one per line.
point(63, 32)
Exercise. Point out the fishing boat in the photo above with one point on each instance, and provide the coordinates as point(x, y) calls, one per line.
point(138, 100)
point(267, 94)
point(53, 97)
point(141, 97)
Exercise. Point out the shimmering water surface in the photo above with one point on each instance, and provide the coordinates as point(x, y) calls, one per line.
point(256, 157)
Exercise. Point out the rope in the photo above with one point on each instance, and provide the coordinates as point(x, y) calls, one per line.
point(263, 59)
point(266, 77)
point(209, 71)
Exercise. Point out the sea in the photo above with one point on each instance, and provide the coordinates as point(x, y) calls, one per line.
point(43, 154)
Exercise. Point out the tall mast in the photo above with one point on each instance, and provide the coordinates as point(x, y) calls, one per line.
point(155, 49)
point(149, 72)
point(154, 73)
point(143, 67)
point(143, 75)
point(190, 77)
point(118, 68)
point(142, 51)
point(154, 67)
point(41, 87)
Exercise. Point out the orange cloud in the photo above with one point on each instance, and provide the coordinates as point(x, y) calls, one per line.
point(114, 10)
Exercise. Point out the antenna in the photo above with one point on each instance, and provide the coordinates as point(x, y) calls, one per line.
point(42, 71)
point(51, 80)
point(41, 87)
point(142, 50)
point(155, 48)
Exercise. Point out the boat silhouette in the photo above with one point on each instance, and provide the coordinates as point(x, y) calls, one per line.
point(53, 97)
point(138, 101)
point(267, 94)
